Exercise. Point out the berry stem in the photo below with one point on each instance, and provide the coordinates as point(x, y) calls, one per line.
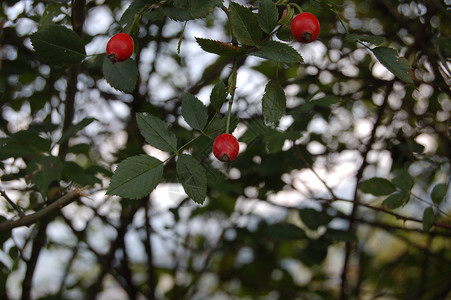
point(179, 45)
point(297, 7)
point(232, 87)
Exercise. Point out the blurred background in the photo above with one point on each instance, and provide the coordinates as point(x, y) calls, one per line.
point(280, 222)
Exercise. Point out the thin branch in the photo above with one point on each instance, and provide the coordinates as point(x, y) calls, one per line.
point(304, 161)
point(38, 244)
point(348, 245)
point(14, 205)
point(392, 228)
point(152, 277)
point(106, 261)
point(44, 213)
point(397, 216)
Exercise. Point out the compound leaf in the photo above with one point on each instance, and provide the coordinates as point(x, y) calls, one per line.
point(219, 48)
point(373, 39)
point(313, 218)
point(218, 95)
point(396, 200)
point(274, 102)
point(377, 186)
point(397, 65)
point(58, 45)
point(404, 181)
point(122, 75)
point(43, 170)
point(439, 192)
point(280, 52)
point(136, 177)
point(156, 132)
point(72, 130)
point(194, 112)
point(192, 177)
point(285, 232)
point(267, 16)
point(428, 218)
point(244, 25)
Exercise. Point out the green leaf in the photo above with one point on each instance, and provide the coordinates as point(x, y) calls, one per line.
point(23, 143)
point(154, 16)
point(218, 95)
point(15, 150)
point(58, 45)
point(444, 46)
point(136, 177)
point(274, 102)
point(404, 181)
point(428, 218)
point(219, 48)
point(4, 270)
point(315, 251)
point(244, 25)
point(255, 129)
point(75, 173)
point(201, 9)
point(398, 66)
point(177, 14)
point(43, 170)
point(313, 218)
point(373, 39)
point(280, 52)
point(156, 132)
point(79, 148)
point(377, 186)
point(32, 139)
point(192, 177)
point(194, 112)
point(284, 33)
point(326, 100)
point(439, 192)
point(396, 200)
point(275, 139)
point(218, 126)
point(339, 235)
point(285, 232)
point(325, 4)
point(122, 75)
point(129, 14)
point(72, 130)
point(267, 16)
point(51, 11)
point(94, 169)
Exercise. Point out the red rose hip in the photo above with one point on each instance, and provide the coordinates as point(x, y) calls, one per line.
point(226, 147)
point(305, 27)
point(120, 47)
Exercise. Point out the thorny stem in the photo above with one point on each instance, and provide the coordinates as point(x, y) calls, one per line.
point(397, 216)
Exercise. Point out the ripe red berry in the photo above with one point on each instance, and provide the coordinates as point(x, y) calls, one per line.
point(226, 147)
point(305, 27)
point(120, 47)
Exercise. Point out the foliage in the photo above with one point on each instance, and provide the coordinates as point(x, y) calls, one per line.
point(108, 167)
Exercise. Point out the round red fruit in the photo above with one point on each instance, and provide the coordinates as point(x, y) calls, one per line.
point(120, 47)
point(305, 27)
point(226, 147)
